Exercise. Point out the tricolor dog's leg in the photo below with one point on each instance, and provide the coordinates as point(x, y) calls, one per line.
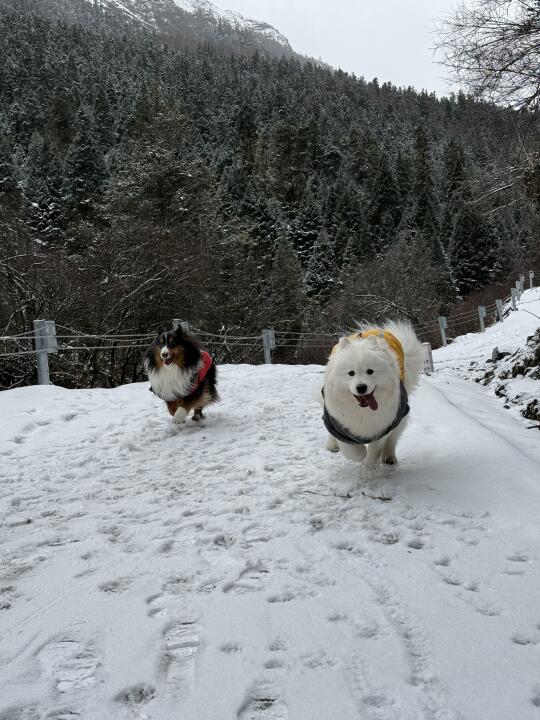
point(198, 414)
point(177, 411)
point(180, 416)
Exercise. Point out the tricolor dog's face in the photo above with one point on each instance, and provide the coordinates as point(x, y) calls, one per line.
point(171, 349)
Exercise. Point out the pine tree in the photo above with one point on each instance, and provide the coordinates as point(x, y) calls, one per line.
point(425, 213)
point(385, 204)
point(8, 182)
point(62, 115)
point(288, 296)
point(403, 178)
point(85, 165)
point(321, 272)
point(472, 251)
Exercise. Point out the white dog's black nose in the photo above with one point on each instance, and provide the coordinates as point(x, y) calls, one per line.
point(361, 389)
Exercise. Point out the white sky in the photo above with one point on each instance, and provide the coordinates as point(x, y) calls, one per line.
point(388, 39)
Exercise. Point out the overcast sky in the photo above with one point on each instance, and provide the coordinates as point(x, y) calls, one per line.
point(388, 39)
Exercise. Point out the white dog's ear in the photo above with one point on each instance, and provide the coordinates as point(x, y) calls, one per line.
point(343, 342)
point(372, 342)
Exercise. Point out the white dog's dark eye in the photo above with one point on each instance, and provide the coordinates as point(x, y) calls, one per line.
point(351, 372)
point(369, 372)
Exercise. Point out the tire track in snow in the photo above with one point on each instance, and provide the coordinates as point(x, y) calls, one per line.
point(474, 418)
point(412, 636)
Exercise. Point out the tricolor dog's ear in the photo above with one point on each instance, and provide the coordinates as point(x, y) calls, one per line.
point(343, 342)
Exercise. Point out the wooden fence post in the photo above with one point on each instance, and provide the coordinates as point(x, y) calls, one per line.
point(500, 312)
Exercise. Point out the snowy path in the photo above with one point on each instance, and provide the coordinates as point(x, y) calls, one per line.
point(211, 573)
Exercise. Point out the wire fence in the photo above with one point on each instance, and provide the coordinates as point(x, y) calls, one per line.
point(90, 359)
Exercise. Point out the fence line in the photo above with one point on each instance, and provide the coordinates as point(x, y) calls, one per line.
point(46, 340)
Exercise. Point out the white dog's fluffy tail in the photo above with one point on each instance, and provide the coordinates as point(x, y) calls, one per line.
point(412, 350)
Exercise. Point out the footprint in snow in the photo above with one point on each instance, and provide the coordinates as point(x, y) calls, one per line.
point(17, 712)
point(136, 694)
point(283, 597)
point(469, 591)
point(263, 702)
point(527, 638)
point(181, 643)
point(69, 665)
point(319, 660)
point(279, 644)
point(256, 534)
point(115, 586)
point(518, 557)
point(251, 579)
point(231, 648)
point(519, 561)
point(156, 605)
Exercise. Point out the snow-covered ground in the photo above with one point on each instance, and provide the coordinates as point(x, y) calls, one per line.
point(515, 377)
point(236, 570)
point(473, 349)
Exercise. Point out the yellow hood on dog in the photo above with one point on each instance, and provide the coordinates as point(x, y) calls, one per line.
point(390, 338)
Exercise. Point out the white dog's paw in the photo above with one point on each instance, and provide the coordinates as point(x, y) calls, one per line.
point(389, 458)
point(356, 453)
point(180, 416)
point(332, 444)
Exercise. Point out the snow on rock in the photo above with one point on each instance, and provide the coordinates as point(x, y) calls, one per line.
point(516, 377)
point(237, 570)
point(148, 12)
point(234, 18)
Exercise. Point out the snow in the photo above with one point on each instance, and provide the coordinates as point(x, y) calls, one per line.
point(238, 570)
point(123, 7)
point(470, 356)
point(144, 12)
point(476, 348)
point(234, 18)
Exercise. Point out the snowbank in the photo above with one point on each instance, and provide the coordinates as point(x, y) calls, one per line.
point(515, 376)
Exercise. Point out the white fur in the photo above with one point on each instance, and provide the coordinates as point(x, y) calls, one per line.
point(180, 416)
point(171, 382)
point(375, 354)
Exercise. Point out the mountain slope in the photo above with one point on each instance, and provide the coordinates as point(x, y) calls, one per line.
point(172, 16)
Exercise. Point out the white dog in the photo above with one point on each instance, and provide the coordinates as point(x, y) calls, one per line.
point(367, 381)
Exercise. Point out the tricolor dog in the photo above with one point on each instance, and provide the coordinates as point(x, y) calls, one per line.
point(181, 374)
point(367, 383)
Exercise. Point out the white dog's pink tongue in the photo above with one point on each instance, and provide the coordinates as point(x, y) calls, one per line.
point(373, 404)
